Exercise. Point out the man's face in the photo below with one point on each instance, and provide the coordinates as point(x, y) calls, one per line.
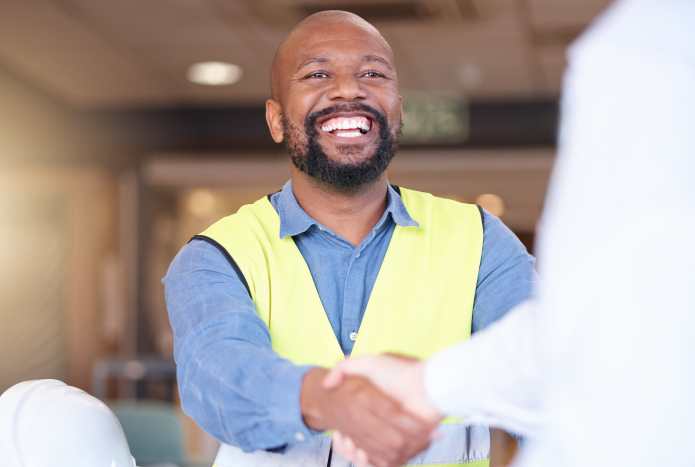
point(341, 112)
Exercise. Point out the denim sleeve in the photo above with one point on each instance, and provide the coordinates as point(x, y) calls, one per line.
point(230, 380)
point(507, 274)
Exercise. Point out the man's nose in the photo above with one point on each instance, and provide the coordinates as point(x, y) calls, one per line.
point(347, 88)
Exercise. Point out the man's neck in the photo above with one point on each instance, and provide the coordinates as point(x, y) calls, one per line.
point(351, 215)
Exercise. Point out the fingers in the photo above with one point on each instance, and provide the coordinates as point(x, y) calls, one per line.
point(404, 422)
point(436, 434)
point(391, 436)
point(387, 435)
point(374, 429)
point(346, 448)
point(362, 459)
point(384, 371)
point(401, 357)
point(360, 366)
point(390, 429)
point(399, 376)
point(343, 446)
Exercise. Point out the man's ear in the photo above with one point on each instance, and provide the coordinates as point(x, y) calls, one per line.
point(273, 115)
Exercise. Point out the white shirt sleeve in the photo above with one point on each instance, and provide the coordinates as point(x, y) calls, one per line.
point(602, 370)
point(493, 379)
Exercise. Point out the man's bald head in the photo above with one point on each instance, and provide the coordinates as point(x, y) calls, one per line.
point(335, 101)
point(314, 28)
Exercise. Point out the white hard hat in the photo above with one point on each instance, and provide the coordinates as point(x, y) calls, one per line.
point(46, 423)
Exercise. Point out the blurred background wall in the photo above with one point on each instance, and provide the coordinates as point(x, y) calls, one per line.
point(117, 145)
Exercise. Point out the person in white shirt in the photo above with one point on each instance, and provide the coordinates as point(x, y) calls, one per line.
point(601, 369)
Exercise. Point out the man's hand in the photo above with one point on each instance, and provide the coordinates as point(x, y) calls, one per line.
point(400, 377)
point(387, 435)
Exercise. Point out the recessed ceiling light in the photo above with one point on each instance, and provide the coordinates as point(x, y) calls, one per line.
point(470, 75)
point(214, 73)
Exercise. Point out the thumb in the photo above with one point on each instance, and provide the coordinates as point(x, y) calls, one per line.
point(358, 366)
point(335, 376)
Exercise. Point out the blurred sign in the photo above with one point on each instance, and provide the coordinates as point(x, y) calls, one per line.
point(434, 120)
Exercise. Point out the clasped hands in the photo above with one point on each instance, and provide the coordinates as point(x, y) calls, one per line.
point(376, 406)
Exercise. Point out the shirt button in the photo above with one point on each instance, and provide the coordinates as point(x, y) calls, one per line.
point(358, 255)
point(353, 336)
point(299, 437)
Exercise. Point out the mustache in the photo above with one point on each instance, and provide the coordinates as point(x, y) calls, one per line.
point(310, 120)
point(308, 156)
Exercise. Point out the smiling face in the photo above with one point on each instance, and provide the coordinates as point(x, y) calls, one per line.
point(335, 100)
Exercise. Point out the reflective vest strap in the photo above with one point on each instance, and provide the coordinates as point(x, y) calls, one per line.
point(483, 463)
point(302, 455)
point(460, 445)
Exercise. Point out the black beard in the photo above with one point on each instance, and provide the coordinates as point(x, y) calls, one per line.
point(313, 161)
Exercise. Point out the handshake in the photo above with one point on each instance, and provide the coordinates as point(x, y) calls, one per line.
point(376, 406)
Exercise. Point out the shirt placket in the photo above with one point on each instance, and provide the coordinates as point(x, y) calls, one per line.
point(353, 295)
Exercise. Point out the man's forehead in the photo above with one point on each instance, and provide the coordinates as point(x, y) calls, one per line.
point(323, 42)
point(318, 31)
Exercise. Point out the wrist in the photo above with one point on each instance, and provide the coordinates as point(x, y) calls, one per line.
point(310, 398)
point(426, 408)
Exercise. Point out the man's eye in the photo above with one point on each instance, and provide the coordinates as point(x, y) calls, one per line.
point(373, 74)
point(318, 74)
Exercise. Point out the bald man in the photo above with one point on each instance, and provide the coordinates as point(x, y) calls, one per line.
point(339, 262)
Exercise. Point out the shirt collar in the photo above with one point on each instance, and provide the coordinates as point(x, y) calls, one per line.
point(294, 220)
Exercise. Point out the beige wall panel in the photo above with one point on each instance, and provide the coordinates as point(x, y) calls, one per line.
point(89, 195)
point(31, 125)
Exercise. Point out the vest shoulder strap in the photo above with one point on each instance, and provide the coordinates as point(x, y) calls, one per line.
point(227, 256)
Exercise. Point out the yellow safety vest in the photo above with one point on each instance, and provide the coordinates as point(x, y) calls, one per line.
point(422, 301)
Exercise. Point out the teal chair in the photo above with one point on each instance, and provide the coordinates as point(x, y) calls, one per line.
point(153, 430)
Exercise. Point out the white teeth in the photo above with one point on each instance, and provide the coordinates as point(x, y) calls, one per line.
point(347, 125)
point(349, 134)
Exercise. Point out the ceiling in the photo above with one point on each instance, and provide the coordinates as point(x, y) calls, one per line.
point(134, 53)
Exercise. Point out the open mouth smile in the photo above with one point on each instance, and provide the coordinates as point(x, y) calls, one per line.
point(347, 127)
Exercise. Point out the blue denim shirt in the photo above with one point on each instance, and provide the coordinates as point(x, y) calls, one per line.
point(231, 381)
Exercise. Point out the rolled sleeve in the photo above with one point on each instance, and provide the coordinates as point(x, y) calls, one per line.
point(231, 381)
